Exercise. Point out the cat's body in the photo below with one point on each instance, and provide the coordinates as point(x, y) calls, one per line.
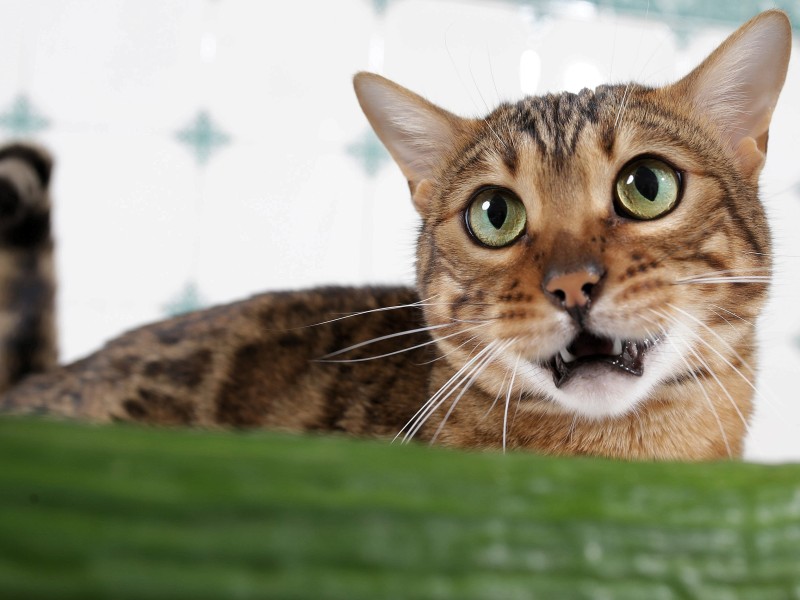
point(590, 268)
point(255, 364)
point(249, 364)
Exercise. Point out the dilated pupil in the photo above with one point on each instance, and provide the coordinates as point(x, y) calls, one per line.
point(496, 211)
point(646, 183)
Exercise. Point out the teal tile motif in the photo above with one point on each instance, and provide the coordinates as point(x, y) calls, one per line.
point(203, 137)
point(22, 119)
point(379, 6)
point(369, 151)
point(187, 300)
point(686, 14)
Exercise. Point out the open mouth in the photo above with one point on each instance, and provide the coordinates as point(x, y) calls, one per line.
point(588, 349)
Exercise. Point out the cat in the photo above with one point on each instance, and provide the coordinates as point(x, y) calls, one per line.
point(589, 271)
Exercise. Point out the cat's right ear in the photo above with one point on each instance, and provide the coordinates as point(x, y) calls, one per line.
point(419, 135)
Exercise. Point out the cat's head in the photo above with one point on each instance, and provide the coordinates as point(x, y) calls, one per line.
point(585, 249)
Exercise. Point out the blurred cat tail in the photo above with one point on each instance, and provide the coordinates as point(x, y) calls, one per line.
point(28, 342)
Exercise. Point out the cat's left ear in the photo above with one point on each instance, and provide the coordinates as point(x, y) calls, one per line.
point(419, 135)
point(737, 86)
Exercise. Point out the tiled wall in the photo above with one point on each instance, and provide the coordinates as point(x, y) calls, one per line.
point(210, 149)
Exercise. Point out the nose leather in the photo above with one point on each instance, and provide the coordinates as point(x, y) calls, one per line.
point(570, 289)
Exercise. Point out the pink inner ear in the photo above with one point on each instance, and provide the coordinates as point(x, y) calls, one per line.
point(738, 86)
point(418, 134)
point(421, 194)
point(751, 154)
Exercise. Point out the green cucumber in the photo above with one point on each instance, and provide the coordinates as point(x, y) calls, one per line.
point(126, 512)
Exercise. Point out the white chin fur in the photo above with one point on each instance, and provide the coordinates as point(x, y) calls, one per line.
point(601, 391)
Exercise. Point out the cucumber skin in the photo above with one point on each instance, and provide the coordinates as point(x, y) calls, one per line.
point(128, 512)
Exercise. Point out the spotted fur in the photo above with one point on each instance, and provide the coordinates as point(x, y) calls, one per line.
point(465, 359)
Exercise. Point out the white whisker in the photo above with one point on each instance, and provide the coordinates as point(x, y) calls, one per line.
point(742, 279)
point(415, 423)
point(497, 396)
point(571, 430)
point(488, 110)
point(508, 400)
point(516, 411)
point(456, 349)
point(474, 374)
point(386, 337)
point(724, 389)
point(703, 390)
point(704, 363)
point(724, 343)
point(366, 312)
point(455, 68)
point(625, 95)
point(733, 314)
point(737, 272)
point(441, 397)
point(724, 359)
point(428, 343)
point(622, 103)
point(721, 316)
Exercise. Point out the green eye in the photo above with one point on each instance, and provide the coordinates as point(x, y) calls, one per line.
point(496, 217)
point(647, 188)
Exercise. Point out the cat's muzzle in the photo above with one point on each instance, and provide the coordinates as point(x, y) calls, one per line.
point(589, 349)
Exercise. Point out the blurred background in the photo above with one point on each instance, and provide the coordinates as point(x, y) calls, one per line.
point(208, 150)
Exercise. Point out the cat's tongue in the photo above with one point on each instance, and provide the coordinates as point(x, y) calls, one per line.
point(587, 349)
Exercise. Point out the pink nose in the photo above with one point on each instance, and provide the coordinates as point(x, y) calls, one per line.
point(572, 289)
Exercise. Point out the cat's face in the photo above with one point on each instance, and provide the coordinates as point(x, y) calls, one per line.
point(543, 234)
point(583, 250)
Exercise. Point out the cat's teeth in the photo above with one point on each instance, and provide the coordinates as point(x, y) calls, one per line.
point(566, 356)
point(617, 349)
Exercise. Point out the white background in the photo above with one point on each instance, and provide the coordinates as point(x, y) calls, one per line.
point(284, 205)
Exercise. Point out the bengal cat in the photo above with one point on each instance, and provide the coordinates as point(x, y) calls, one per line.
point(589, 271)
